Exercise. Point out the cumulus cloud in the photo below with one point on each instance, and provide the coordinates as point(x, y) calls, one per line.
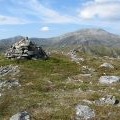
point(45, 29)
point(101, 9)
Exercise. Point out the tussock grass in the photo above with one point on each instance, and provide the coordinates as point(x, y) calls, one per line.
point(48, 95)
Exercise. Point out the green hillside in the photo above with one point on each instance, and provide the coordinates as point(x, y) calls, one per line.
point(51, 89)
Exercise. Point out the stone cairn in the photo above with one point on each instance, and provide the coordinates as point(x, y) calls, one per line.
point(25, 49)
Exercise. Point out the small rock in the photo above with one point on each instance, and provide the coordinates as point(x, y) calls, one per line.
point(106, 65)
point(108, 100)
point(21, 116)
point(109, 79)
point(84, 112)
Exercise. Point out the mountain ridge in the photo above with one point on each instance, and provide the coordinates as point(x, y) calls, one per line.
point(87, 38)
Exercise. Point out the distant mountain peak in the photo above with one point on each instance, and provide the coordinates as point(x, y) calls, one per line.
point(92, 31)
point(90, 37)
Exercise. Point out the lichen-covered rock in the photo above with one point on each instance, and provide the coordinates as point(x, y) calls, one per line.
point(84, 112)
point(21, 116)
point(109, 79)
point(25, 49)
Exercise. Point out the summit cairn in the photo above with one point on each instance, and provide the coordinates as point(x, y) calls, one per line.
point(25, 49)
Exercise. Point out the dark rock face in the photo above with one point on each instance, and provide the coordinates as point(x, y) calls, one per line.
point(25, 49)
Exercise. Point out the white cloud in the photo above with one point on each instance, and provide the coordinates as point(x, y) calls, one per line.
point(50, 15)
point(103, 1)
point(42, 13)
point(45, 29)
point(11, 20)
point(101, 9)
point(32, 11)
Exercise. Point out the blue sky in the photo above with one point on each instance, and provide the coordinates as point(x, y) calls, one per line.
point(49, 18)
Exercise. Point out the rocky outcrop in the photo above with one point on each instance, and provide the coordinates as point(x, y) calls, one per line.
point(9, 69)
point(74, 57)
point(9, 84)
point(6, 85)
point(25, 49)
point(84, 112)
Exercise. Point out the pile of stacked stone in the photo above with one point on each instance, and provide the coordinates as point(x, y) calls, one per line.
point(25, 49)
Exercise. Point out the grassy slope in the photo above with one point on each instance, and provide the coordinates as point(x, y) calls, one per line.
point(48, 95)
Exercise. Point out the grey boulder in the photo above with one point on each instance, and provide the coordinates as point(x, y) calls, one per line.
point(109, 79)
point(21, 116)
point(84, 112)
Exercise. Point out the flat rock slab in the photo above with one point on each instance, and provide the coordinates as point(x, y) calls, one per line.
point(84, 112)
point(109, 79)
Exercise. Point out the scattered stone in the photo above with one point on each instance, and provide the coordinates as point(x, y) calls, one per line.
point(84, 112)
point(25, 49)
point(9, 83)
point(87, 70)
point(21, 116)
point(109, 79)
point(106, 65)
point(109, 100)
point(74, 57)
point(9, 69)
